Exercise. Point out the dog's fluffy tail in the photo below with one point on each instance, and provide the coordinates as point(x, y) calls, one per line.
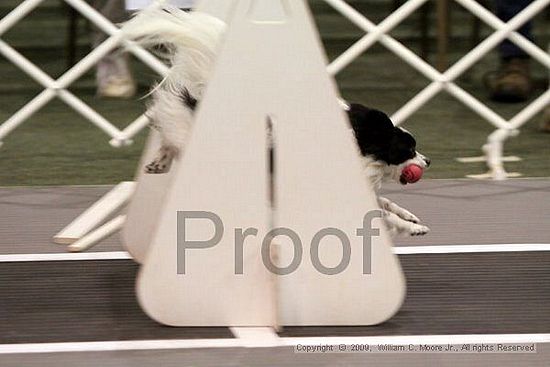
point(190, 40)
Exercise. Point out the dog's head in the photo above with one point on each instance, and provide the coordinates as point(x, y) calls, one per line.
point(379, 139)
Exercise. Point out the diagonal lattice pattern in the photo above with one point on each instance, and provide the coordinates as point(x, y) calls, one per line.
point(373, 33)
point(445, 81)
point(58, 88)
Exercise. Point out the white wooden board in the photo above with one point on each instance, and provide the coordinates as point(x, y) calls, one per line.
point(271, 65)
point(143, 210)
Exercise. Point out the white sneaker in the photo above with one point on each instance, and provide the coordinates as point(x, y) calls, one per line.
point(117, 87)
point(114, 78)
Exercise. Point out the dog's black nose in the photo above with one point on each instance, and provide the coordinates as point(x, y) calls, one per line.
point(428, 161)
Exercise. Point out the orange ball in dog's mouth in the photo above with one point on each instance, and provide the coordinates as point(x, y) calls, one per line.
point(411, 174)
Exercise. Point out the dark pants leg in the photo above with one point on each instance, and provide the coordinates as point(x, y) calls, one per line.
point(116, 62)
point(113, 10)
point(506, 10)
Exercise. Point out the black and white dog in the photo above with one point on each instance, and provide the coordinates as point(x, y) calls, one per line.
point(190, 41)
point(386, 151)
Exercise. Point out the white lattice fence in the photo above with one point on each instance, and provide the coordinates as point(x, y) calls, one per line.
point(57, 88)
point(373, 33)
point(445, 81)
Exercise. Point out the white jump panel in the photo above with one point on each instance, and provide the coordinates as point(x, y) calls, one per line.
point(318, 180)
point(144, 209)
point(270, 73)
point(219, 9)
point(224, 171)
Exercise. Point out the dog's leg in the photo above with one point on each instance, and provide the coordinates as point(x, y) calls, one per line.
point(398, 225)
point(396, 209)
point(163, 161)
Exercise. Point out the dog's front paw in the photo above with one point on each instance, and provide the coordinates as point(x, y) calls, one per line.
point(418, 230)
point(409, 217)
point(156, 168)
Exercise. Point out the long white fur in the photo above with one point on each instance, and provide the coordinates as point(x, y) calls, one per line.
point(192, 40)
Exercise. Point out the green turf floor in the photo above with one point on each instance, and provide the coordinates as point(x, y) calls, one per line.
point(57, 146)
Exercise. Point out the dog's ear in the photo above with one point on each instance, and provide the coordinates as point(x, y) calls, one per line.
point(373, 129)
point(363, 118)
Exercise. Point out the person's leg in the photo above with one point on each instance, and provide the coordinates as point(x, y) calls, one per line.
point(509, 52)
point(113, 75)
point(512, 83)
point(545, 122)
point(506, 10)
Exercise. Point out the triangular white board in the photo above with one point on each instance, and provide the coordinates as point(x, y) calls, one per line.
point(271, 64)
point(143, 210)
point(318, 180)
point(223, 173)
point(216, 8)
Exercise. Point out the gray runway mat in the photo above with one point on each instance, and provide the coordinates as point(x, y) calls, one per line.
point(464, 294)
point(279, 357)
point(447, 294)
point(30, 217)
point(79, 301)
point(477, 212)
point(457, 211)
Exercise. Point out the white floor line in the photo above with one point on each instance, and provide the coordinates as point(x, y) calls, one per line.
point(108, 255)
point(103, 346)
point(464, 249)
point(399, 250)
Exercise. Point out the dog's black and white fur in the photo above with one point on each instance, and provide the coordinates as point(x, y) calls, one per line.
point(190, 41)
point(386, 150)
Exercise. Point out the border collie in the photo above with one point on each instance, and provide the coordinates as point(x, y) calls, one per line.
point(189, 42)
